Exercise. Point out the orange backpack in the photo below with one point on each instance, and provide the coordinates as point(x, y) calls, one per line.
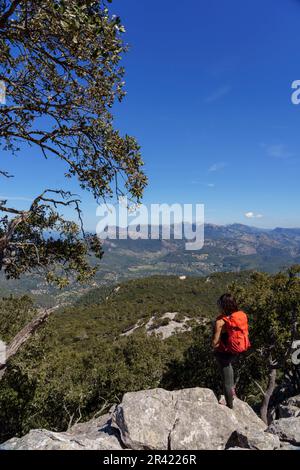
point(236, 327)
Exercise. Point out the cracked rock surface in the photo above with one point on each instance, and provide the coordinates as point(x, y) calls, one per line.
point(182, 419)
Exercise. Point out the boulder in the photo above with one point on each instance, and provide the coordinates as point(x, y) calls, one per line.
point(290, 408)
point(287, 429)
point(145, 419)
point(293, 401)
point(182, 419)
point(246, 417)
point(93, 435)
point(200, 426)
point(200, 422)
point(253, 439)
point(289, 411)
point(287, 446)
point(158, 419)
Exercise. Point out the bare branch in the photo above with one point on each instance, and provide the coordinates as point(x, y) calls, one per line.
point(9, 210)
point(8, 13)
point(260, 388)
point(24, 335)
point(6, 174)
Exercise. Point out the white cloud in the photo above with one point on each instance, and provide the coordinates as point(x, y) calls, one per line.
point(218, 93)
point(252, 215)
point(209, 185)
point(277, 151)
point(217, 167)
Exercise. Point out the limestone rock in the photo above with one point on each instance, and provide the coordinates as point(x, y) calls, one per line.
point(290, 407)
point(158, 419)
point(293, 401)
point(94, 435)
point(289, 411)
point(145, 419)
point(287, 429)
point(254, 439)
point(182, 419)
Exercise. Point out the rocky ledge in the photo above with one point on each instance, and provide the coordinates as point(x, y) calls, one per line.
point(188, 419)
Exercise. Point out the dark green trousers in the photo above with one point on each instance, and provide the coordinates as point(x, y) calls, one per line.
point(225, 361)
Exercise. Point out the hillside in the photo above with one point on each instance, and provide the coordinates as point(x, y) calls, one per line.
point(138, 335)
point(233, 248)
point(82, 361)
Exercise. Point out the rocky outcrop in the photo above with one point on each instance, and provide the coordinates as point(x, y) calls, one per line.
point(253, 439)
point(96, 434)
point(290, 407)
point(157, 419)
point(182, 419)
point(287, 429)
point(171, 327)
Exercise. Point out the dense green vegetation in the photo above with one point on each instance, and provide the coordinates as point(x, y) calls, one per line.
point(79, 363)
point(272, 303)
point(15, 313)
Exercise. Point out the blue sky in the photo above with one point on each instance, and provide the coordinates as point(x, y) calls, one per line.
point(209, 100)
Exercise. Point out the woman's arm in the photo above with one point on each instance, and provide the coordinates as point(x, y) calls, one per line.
point(217, 333)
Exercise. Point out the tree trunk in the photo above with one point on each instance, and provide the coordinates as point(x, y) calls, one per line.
point(24, 335)
point(268, 394)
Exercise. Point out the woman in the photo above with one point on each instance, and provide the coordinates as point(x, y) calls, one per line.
point(229, 340)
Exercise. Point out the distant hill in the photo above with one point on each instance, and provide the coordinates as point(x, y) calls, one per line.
point(234, 248)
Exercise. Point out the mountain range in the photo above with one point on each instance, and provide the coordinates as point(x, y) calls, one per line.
point(233, 248)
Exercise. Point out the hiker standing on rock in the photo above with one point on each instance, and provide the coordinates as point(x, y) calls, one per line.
point(229, 340)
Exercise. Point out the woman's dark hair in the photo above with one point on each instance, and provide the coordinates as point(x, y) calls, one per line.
point(228, 304)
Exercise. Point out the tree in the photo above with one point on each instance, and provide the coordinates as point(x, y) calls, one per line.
point(273, 305)
point(60, 64)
